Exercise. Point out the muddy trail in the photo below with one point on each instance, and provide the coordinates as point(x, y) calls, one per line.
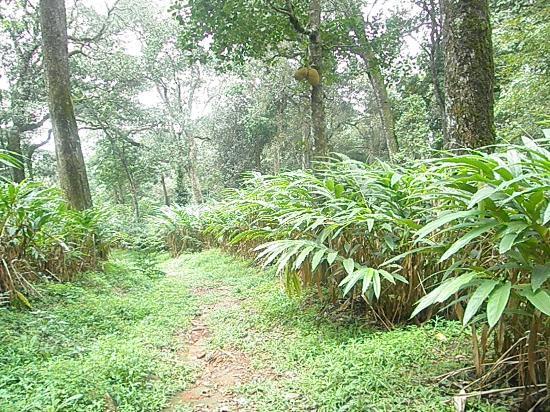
point(219, 374)
point(249, 347)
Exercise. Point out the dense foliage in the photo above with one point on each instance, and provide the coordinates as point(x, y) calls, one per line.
point(466, 236)
point(41, 237)
point(194, 126)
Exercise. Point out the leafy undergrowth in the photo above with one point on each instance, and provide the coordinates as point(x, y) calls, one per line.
point(321, 364)
point(105, 342)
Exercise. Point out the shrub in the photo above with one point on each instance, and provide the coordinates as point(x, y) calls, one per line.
point(493, 220)
point(180, 228)
point(466, 236)
point(41, 237)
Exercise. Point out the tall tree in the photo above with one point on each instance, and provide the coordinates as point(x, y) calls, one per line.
point(262, 31)
point(376, 79)
point(317, 94)
point(22, 102)
point(469, 73)
point(431, 16)
point(70, 160)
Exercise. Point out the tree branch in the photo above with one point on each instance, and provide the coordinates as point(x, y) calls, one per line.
point(33, 126)
point(101, 31)
point(34, 147)
point(288, 11)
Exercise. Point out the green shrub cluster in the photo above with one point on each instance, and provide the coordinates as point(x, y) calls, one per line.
point(466, 236)
point(180, 228)
point(41, 237)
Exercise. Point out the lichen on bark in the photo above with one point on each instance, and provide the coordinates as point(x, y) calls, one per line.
point(469, 73)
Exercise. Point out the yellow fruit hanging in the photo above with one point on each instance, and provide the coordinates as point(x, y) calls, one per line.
point(301, 74)
point(313, 77)
point(309, 74)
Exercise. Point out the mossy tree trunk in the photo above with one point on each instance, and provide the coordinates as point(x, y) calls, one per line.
point(73, 178)
point(469, 73)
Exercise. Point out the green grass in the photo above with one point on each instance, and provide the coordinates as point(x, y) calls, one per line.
point(111, 338)
point(318, 361)
point(106, 338)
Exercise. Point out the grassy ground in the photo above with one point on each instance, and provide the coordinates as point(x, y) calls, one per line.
point(318, 363)
point(112, 339)
point(107, 339)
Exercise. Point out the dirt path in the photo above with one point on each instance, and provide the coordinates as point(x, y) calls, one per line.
point(219, 373)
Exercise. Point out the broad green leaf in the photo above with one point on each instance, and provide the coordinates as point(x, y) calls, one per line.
point(452, 286)
point(367, 279)
point(477, 299)
point(531, 145)
point(331, 257)
point(302, 256)
point(350, 281)
point(283, 260)
point(467, 238)
point(540, 300)
point(396, 177)
point(442, 220)
point(497, 303)
point(400, 278)
point(387, 275)
point(507, 242)
point(317, 257)
point(476, 162)
point(349, 265)
point(482, 194)
point(376, 284)
point(405, 254)
point(540, 274)
point(425, 302)
point(546, 217)
point(442, 292)
point(370, 224)
point(514, 162)
point(339, 190)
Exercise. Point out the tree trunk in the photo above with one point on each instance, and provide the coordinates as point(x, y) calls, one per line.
point(134, 191)
point(135, 201)
point(29, 167)
point(164, 190)
point(73, 178)
point(193, 174)
point(469, 73)
point(277, 155)
point(279, 136)
point(257, 157)
point(436, 62)
point(306, 142)
point(133, 188)
point(182, 194)
point(120, 191)
point(386, 113)
point(31, 149)
point(14, 145)
point(317, 93)
point(378, 84)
